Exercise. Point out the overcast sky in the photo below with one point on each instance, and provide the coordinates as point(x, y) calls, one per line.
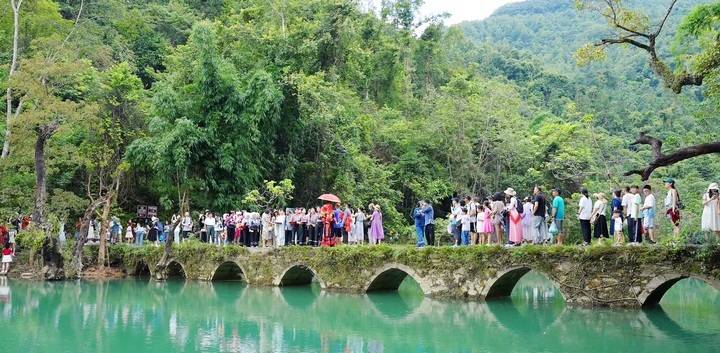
point(463, 10)
point(460, 10)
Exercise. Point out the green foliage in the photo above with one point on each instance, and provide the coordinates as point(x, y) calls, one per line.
point(201, 102)
point(273, 195)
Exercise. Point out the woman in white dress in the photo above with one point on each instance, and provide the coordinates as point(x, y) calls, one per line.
point(279, 228)
point(711, 210)
point(359, 227)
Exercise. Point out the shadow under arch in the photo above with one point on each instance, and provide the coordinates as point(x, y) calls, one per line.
point(391, 276)
point(141, 269)
point(501, 286)
point(175, 271)
point(298, 275)
point(658, 286)
point(228, 271)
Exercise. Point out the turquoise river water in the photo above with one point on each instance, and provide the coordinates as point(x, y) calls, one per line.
point(141, 316)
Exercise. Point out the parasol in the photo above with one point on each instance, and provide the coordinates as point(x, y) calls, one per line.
point(329, 198)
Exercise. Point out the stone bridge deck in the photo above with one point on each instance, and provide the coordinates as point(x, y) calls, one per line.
point(591, 276)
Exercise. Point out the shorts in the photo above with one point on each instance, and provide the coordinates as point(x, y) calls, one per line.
point(6, 259)
point(648, 222)
point(559, 225)
point(674, 216)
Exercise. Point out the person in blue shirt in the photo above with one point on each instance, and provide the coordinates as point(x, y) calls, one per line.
point(616, 207)
point(429, 228)
point(419, 218)
point(558, 214)
point(338, 223)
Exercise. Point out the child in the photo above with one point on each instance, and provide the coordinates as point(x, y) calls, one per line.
point(618, 225)
point(465, 224)
point(487, 226)
point(7, 258)
point(480, 224)
point(129, 233)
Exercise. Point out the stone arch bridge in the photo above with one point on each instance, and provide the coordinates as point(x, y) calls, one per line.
point(592, 276)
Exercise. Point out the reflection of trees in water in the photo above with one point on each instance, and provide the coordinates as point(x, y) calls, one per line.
point(692, 303)
point(230, 317)
point(535, 288)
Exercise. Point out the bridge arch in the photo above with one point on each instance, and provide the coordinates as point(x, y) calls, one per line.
point(297, 275)
point(228, 271)
point(658, 286)
point(390, 276)
point(141, 269)
point(502, 284)
point(175, 270)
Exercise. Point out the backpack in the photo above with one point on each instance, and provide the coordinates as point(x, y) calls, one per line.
point(519, 206)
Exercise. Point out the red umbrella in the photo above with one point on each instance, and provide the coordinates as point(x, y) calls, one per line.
point(329, 198)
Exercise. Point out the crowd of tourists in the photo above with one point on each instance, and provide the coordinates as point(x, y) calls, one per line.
point(329, 225)
point(628, 215)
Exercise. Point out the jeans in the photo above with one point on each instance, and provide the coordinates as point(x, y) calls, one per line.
point(212, 237)
point(430, 234)
point(139, 239)
point(465, 236)
point(540, 231)
point(420, 230)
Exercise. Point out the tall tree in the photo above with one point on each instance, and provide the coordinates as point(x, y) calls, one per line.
point(9, 113)
point(633, 28)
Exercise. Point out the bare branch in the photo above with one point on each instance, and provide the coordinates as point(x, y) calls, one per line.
point(665, 159)
point(662, 23)
point(625, 40)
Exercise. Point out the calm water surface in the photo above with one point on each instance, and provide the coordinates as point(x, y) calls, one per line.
point(146, 317)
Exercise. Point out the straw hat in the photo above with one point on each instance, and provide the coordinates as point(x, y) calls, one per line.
point(713, 186)
point(510, 192)
point(600, 195)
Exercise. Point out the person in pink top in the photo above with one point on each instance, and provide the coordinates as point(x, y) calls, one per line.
point(488, 228)
point(516, 230)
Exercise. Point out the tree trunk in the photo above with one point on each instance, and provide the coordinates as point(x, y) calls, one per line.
point(109, 200)
point(161, 266)
point(43, 134)
point(76, 265)
point(13, 65)
point(102, 252)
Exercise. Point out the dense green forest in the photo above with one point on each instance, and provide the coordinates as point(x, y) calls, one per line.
point(186, 102)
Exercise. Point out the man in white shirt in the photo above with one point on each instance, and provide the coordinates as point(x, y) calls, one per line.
point(584, 213)
point(627, 200)
point(634, 219)
point(648, 210)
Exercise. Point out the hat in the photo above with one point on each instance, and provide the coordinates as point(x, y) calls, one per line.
point(669, 180)
point(600, 195)
point(713, 186)
point(510, 191)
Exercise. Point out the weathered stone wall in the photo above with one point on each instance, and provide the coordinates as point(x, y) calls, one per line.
point(591, 276)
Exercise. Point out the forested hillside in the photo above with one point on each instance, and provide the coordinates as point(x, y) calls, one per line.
point(181, 101)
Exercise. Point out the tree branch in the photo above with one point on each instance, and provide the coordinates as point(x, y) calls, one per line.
point(667, 14)
point(665, 159)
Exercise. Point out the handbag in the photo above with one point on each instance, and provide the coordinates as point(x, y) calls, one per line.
point(553, 228)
